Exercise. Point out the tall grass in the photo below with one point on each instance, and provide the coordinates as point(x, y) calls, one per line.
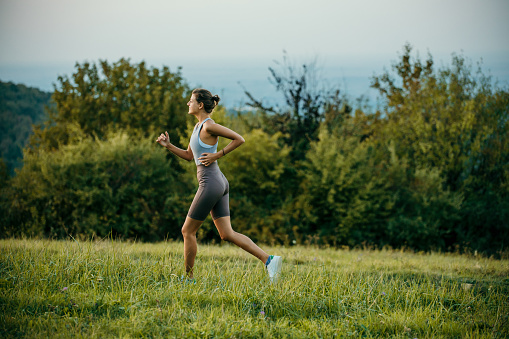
point(119, 289)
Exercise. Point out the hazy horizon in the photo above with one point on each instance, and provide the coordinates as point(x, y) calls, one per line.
point(220, 43)
point(229, 77)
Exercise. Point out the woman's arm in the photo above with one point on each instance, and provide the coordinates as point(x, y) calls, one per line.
point(218, 130)
point(164, 140)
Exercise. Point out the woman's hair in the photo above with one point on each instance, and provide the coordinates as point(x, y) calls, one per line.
point(205, 97)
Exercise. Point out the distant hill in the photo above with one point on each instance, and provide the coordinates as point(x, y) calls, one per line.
point(20, 108)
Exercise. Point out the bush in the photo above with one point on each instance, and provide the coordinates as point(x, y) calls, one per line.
point(359, 192)
point(123, 184)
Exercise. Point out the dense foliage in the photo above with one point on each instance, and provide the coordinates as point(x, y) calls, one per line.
point(122, 185)
point(428, 170)
point(96, 100)
point(20, 108)
point(454, 121)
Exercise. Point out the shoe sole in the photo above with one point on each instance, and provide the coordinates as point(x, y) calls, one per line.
point(278, 262)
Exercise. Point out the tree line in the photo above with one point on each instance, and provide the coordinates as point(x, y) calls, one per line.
point(427, 170)
point(20, 108)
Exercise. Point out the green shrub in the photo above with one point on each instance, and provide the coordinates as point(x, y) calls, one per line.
point(124, 184)
point(359, 192)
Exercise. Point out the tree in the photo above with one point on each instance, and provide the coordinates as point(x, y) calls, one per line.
point(96, 100)
point(306, 103)
point(455, 121)
point(442, 118)
point(93, 167)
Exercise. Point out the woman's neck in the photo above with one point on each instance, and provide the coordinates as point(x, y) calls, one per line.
point(202, 116)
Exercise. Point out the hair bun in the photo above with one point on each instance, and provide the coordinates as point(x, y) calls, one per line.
point(204, 96)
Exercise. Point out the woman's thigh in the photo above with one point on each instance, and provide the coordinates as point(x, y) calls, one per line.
point(206, 197)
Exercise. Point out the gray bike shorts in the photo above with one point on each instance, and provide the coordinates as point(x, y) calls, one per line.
point(212, 195)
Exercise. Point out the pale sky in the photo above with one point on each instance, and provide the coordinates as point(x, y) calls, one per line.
point(357, 33)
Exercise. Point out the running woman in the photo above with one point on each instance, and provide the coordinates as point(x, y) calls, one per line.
point(213, 191)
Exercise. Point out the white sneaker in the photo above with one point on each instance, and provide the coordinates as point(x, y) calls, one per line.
point(274, 268)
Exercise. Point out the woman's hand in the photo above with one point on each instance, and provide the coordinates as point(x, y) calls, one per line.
point(208, 158)
point(164, 140)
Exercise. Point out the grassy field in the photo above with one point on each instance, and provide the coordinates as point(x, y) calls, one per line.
point(118, 289)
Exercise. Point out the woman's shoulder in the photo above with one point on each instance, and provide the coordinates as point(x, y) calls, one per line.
point(208, 123)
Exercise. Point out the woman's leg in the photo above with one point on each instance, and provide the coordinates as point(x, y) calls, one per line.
point(189, 230)
point(226, 232)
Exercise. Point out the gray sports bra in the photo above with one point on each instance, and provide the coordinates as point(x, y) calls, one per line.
point(198, 147)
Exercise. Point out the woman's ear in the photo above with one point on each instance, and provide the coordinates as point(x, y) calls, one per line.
point(200, 105)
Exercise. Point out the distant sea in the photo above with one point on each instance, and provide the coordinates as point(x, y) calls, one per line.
point(230, 78)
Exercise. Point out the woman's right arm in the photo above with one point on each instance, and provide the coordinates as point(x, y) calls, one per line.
point(164, 140)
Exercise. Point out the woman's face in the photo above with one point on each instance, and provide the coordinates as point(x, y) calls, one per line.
point(194, 106)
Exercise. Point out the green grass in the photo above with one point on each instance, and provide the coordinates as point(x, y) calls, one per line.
point(119, 289)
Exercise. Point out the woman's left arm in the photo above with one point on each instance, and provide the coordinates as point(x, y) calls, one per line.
point(221, 131)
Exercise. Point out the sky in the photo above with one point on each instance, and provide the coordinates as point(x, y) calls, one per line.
point(223, 42)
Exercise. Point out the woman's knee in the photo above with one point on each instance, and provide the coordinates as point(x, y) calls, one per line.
point(190, 227)
point(186, 232)
point(227, 236)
